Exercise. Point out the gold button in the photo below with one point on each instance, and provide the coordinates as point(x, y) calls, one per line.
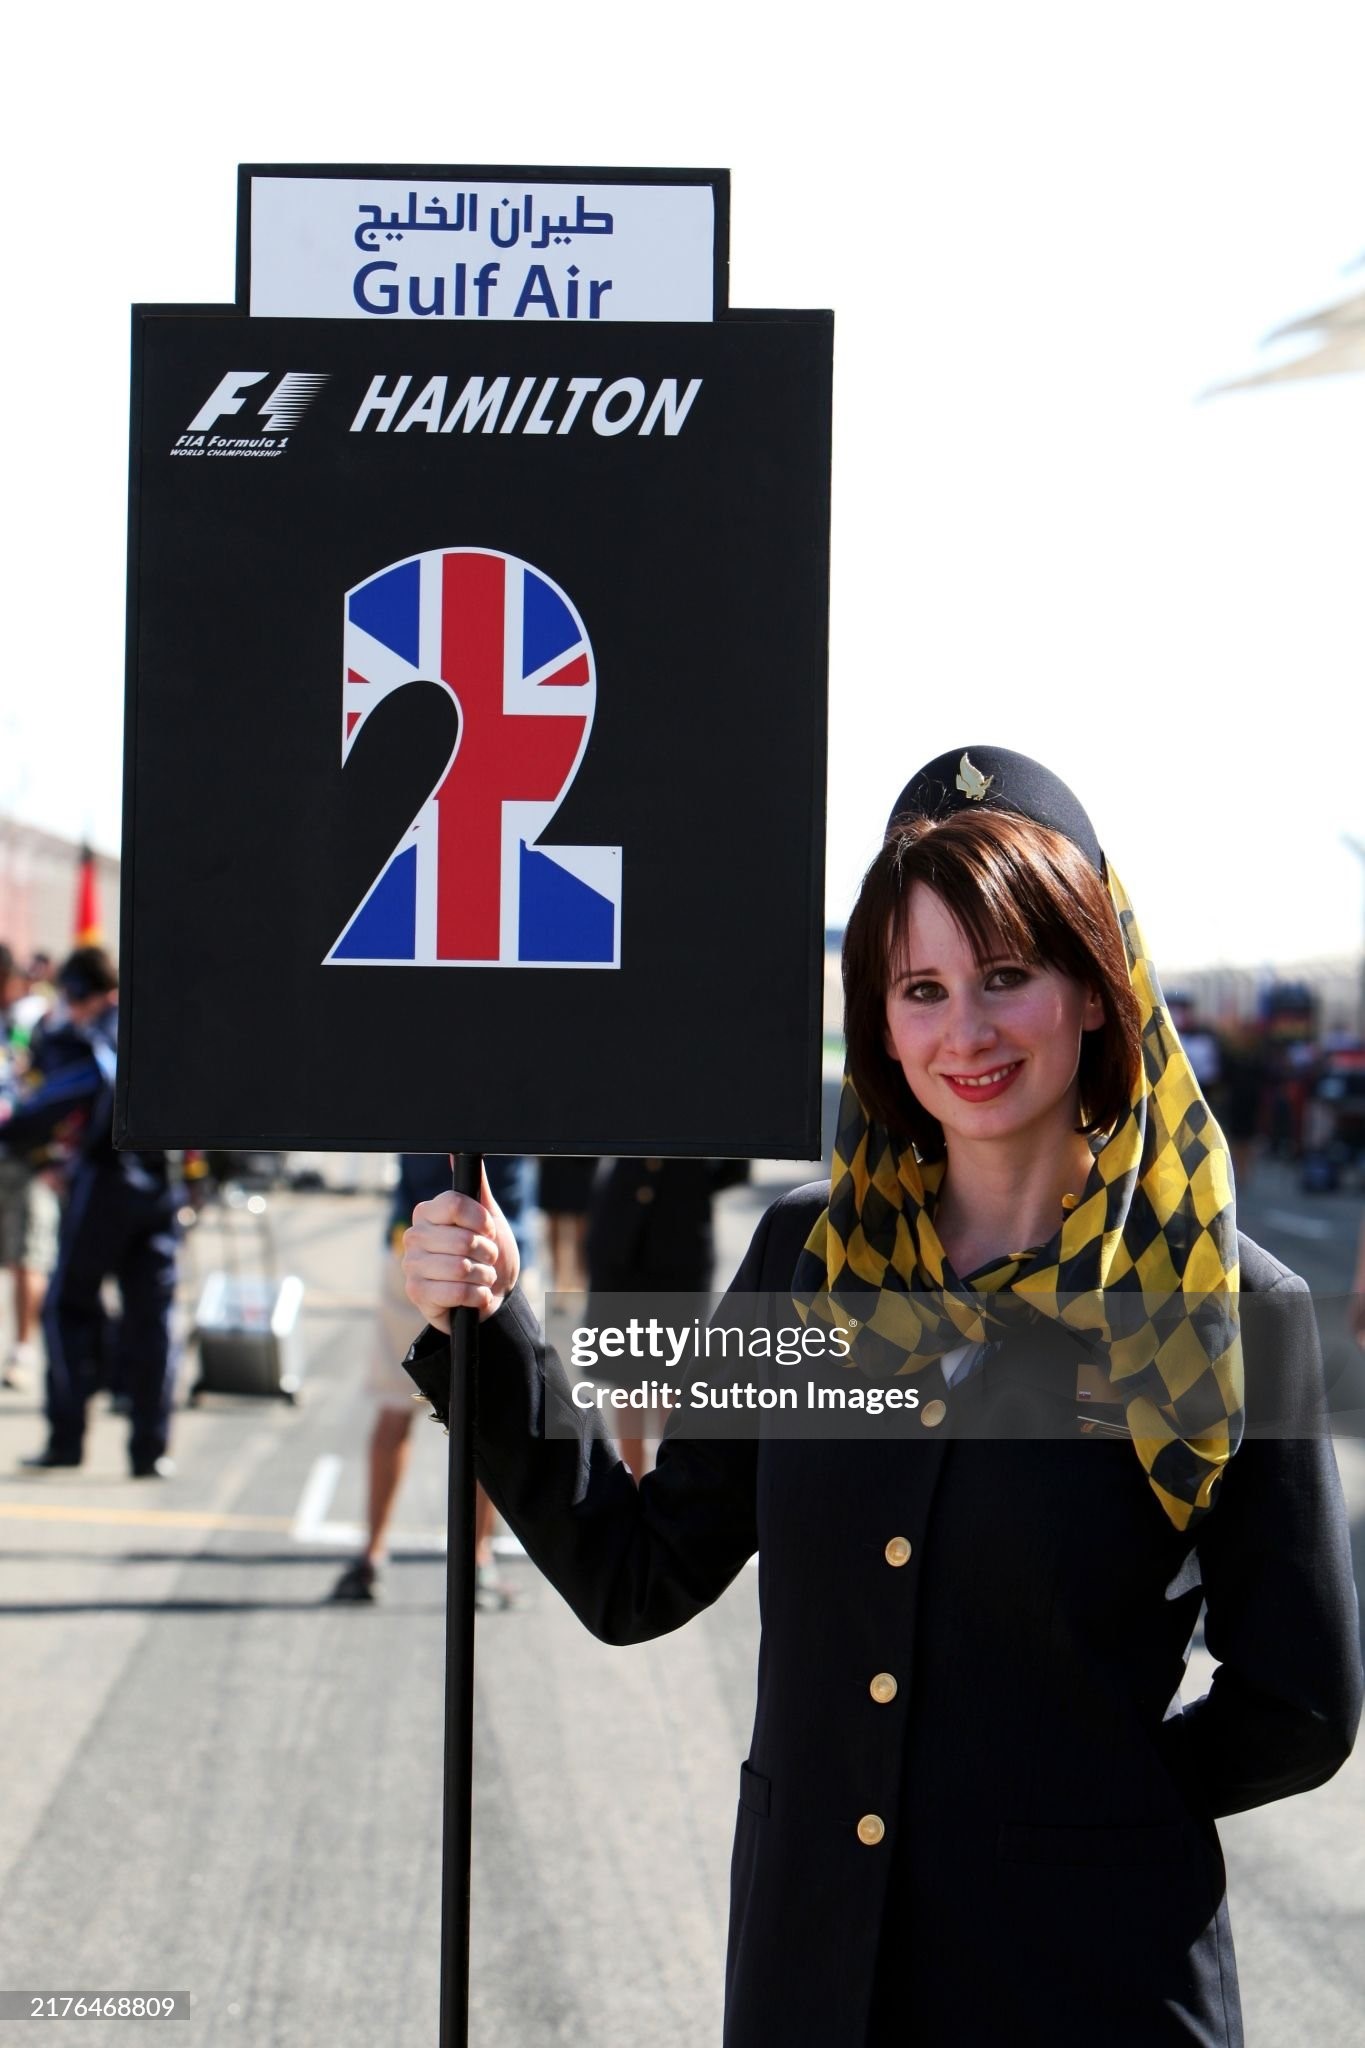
point(644, 1194)
point(883, 1688)
point(898, 1550)
point(871, 1828)
point(934, 1412)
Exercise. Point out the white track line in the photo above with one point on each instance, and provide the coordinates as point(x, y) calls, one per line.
point(318, 1490)
point(310, 1524)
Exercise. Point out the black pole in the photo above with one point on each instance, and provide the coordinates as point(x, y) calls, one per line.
point(467, 1175)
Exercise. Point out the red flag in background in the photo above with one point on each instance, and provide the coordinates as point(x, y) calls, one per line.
point(89, 927)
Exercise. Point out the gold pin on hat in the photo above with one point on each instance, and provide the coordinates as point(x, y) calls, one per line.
point(971, 781)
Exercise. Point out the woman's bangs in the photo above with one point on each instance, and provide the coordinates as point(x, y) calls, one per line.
point(980, 901)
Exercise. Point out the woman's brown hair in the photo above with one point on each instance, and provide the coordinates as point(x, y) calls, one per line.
point(1014, 888)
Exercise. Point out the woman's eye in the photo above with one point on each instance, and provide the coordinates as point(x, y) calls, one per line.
point(922, 992)
point(1009, 977)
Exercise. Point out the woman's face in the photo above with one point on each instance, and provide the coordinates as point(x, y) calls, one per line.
point(991, 1049)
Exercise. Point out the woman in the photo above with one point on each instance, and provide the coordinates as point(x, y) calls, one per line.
point(968, 1816)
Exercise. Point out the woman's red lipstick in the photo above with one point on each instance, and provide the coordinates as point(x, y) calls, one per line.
point(984, 1091)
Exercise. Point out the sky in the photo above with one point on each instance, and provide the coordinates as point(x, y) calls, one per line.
point(1045, 232)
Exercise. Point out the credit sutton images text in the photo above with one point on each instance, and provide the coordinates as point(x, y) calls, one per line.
point(669, 1345)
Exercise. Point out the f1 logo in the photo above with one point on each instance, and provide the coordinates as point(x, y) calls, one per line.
point(282, 411)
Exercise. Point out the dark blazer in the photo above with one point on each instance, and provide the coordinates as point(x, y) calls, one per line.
point(1004, 1839)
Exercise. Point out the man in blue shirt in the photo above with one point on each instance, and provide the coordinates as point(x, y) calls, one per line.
point(119, 1221)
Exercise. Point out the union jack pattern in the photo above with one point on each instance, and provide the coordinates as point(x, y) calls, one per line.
point(468, 885)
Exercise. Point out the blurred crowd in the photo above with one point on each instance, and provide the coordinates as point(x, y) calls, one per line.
point(1280, 1086)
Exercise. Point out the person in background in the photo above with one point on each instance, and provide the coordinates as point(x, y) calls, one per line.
point(1355, 1313)
point(29, 1213)
point(564, 1194)
point(1244, 1079)
point(42, 986)
point(1202, 1049)
point(34, 997)
point(650, 1232)
point(120, 1221)
point(421, 1175)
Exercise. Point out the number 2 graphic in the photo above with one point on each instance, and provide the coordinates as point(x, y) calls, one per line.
point(467, 885)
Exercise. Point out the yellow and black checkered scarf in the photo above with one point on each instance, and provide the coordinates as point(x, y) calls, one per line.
point(1143, 1269)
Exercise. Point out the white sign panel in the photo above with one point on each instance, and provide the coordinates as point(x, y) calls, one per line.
point(387, 249)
